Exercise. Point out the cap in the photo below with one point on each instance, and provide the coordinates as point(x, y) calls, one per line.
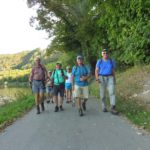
point(79, 57)
point(49, 71)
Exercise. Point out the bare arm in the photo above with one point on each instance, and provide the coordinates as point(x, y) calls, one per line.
point(96, 74)
point(72, 81)
point(31, 76)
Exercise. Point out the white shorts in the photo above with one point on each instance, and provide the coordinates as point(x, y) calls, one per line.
point(81, 91)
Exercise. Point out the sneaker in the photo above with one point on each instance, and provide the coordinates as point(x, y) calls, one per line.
point(80, 112)
point(56, 109)
point(105, 110)
point(61, 108)
point(84, 106)
point(114, 111)
point(38, 109)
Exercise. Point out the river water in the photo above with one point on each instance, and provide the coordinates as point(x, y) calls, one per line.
point(9, 94)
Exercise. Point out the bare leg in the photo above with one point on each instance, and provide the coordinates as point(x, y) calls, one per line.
point(41, 99)
point(67, 96)
point(61, 103)
point(79, 104)
point(37, 102)
point(56, 102)
point(70, 91)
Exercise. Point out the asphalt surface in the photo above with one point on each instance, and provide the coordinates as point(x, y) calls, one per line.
point(67, 131)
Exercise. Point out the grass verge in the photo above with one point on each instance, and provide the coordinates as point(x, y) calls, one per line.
point(136, 113)
point(11, 111)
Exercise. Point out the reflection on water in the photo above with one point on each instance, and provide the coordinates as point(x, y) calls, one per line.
point(9, 94)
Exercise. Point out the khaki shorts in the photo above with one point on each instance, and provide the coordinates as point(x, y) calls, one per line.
point(81, 91)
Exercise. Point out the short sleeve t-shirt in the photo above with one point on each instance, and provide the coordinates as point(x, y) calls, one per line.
point(78, 72)
point(105, 66)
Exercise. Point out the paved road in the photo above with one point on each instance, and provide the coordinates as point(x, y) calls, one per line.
point(67, 131)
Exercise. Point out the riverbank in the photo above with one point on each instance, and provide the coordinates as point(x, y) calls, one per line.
point(11, 111)
point(11, 93)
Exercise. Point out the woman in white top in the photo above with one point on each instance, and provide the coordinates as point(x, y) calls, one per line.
point(68, 85)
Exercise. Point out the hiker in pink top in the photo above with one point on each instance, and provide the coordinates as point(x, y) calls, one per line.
point(37, 79)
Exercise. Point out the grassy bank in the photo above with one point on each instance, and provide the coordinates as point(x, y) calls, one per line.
point(130, 83)
point(11, 111)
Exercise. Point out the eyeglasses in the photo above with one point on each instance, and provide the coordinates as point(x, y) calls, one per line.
point(105, 53)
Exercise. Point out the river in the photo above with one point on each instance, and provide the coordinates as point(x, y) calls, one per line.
point(9, 94)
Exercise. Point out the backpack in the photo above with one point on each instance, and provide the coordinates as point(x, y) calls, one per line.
point(62, 71)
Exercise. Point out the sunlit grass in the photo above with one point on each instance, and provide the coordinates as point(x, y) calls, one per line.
point(11, 111)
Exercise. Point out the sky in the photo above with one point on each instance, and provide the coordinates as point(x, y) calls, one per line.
point(16, 34)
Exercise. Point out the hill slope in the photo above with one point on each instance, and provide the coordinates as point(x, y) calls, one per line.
point(22, 60)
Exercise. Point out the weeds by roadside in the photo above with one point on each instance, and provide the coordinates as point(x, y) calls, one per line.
point(11, 111)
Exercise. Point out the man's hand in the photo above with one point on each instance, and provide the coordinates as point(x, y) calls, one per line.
point(98, 80)
point(83, 78)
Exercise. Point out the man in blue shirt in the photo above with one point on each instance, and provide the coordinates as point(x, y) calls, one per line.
point(80, 75)
point(105, 75)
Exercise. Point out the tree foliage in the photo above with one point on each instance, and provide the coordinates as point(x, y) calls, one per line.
point(87, 26)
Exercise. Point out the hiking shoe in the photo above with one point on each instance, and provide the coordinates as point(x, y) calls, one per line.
point(56, 109)
point(105, 110)
point(80, 112)
point(61, 108)
point(38, 109)
point(84, 106)
point(114, 111)
point(42, 106)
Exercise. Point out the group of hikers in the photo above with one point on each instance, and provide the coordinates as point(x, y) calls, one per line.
point(61, 83)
